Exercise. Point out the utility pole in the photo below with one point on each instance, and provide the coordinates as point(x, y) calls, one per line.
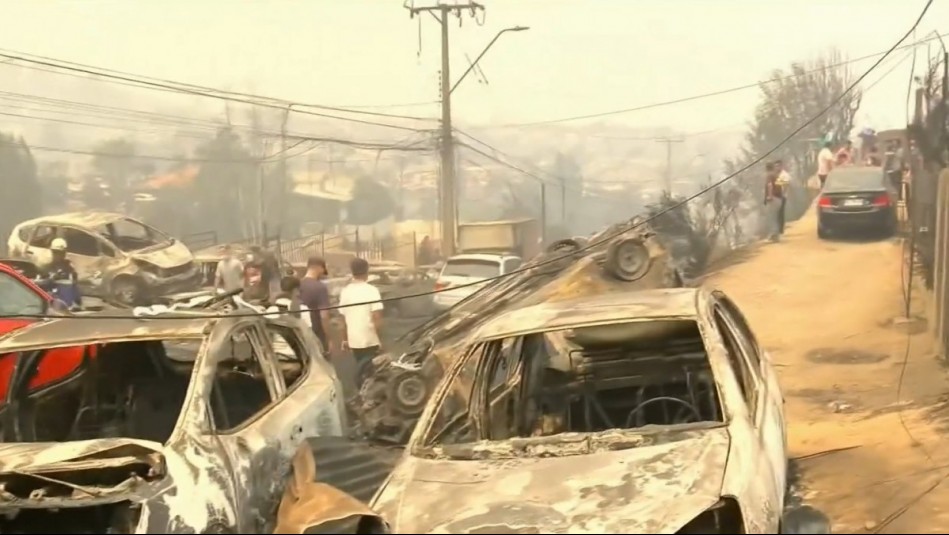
point(669, 142)
point(447, 201)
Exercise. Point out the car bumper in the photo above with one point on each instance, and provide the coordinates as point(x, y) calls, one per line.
point(443, 301)
point(867, 219)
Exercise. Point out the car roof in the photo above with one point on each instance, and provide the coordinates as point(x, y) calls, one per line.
point(485, 257)
point(605, 308)
point(103, 328)
point(88, 219)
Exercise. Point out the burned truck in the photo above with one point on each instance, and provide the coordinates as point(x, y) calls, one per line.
point(624, 256)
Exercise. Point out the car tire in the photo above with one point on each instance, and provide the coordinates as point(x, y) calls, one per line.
point(127, 291)
point(822, 232)
point(628, 259)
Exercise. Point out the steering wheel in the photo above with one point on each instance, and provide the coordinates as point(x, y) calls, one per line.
point(695, 412)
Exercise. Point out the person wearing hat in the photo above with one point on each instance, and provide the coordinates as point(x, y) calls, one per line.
point(62, 276)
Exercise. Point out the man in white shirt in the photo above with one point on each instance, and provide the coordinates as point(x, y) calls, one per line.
point(361, 307)
point(825, 162)
point(229, 274)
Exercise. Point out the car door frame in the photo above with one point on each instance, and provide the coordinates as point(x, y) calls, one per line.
point(91, 270)
point(482, 398)
point(251, 456)
point(769, 415)
point(749, 474)
point(41, 256)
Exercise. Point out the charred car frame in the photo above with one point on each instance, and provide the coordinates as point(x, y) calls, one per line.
point(653, 411)
point(177, 424)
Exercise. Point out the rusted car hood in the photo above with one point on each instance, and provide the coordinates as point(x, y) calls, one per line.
point(172, 255)
point(38, 457)
point(652, 489)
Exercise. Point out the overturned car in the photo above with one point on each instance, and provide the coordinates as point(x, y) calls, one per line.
point(625, 256)
point(178, 424)
point(640, 412)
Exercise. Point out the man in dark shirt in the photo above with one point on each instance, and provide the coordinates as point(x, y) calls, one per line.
point(316, 296)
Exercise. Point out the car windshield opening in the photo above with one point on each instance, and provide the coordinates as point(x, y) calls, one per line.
point(16, 298)
point(128, 235)
point(122, 389)
point(641, 375)
point(476, 269)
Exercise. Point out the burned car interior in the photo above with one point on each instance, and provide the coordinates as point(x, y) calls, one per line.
point(632, 375)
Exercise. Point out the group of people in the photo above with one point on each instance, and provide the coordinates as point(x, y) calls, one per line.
point(308, 298)
point(777, 182)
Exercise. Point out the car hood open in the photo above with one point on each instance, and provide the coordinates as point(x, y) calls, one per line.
point(650, 489)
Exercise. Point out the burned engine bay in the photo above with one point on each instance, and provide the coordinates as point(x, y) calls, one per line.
point(622, 257)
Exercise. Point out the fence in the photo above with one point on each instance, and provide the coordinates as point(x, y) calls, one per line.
point(940, 272)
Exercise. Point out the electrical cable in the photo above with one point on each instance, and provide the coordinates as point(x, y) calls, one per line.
point(72, 65)
point(224, 96)
point(706, 95)
point(601, 241)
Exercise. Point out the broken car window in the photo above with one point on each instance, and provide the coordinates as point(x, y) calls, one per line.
point(747, 380)
point(129, 235)
point(123, 389)
point(43, 237)
point(18, 298)
point(634, 375)
point(291, 357)
point(79, 242)
point(240, 390)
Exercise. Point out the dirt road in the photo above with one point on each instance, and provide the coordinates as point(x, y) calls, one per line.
point(825, 311)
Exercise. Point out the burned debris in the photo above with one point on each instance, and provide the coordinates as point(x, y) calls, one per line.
point(625, 256)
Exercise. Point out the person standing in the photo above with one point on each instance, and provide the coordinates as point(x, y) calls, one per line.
point(771, 201)
point(825, 162)
point(315, 296)
point(229, 273)
point(63, 277)
point(782, 184)
point(844, 154)
point(361, 306)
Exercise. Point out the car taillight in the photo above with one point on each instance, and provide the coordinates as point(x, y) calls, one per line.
point(882, 200)
point(825, 202)
point(441, 285)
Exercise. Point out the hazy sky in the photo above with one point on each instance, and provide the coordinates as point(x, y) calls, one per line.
point(579, 57)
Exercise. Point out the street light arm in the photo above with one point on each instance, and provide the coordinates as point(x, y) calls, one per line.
point(483, 52)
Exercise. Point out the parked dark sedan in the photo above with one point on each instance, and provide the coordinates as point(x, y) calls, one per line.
point(856, 198)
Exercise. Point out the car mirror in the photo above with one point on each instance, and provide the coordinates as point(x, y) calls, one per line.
point(805, 520)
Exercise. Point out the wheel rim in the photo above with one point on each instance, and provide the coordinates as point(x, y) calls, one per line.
point(410, 391)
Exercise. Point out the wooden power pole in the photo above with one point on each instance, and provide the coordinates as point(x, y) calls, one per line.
point(669, 142)
point(447, 202)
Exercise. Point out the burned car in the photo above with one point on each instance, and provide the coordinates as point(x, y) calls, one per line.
point(116, 257)
point(652, 411)
point(625, 256)
point(175, 424)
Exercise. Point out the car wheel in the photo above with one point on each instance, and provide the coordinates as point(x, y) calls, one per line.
point(822, 232)
point(628, 259)
point(408, 391)
point(126, 291)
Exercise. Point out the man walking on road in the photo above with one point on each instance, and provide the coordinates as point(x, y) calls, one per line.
point(782, 184)
point(825, 161)
point(361, 307)
point(772, 201)
point(315, 296)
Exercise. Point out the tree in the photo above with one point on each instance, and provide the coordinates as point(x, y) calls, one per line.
point(115, 163)
point(794, 97)
point(225, 192)
point(372, 202)
point(18, 177)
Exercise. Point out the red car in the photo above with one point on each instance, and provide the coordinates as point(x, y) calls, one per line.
point(21, 296)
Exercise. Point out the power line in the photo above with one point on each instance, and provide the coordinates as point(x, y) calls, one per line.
point(531, 265)
point(220, 95)
point(269, 158)
point(121, 75)
point(707, 95)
